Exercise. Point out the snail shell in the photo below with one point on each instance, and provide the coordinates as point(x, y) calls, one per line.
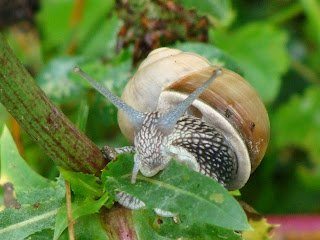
point(230, 104)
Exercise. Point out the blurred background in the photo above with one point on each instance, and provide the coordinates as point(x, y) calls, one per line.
point(274, 44)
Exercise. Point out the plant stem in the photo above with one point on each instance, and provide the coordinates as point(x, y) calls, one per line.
point(115, 227)
point(69, 211)
point(16, 134)
point(42, 120)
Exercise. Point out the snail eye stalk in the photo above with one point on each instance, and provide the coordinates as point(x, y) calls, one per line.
point(168, 121)
point(135, 117)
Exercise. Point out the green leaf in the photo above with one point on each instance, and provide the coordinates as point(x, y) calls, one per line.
point(180, 190)
point(40, 199)
point(14, 169)
point(54, 29)
point(297, 123)
point(90, 227)
point(312, 11)
point(260, 51)
point(236, 193)
point(219, 11)
point(55, 22)
point(20, 223)
point(36, 196)
point(150, 226)
point(261, 229)
point(79, 208)
point(213, 54)
point(82, 184)
point(46, 234)
point(103, 42)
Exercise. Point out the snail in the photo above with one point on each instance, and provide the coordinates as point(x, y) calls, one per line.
point(178, 105)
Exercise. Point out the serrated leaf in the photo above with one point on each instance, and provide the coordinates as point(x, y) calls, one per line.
point(20, 223)
point(14, 169)
point(80, 208)
point(180, 190)
point(82, 184)
point(213, 54)
point(260, 51)
point(219, 10)
point(36, 196)
point(151, 226)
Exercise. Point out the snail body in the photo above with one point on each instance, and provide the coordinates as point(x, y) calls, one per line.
point(179, 106)
point(230, 105)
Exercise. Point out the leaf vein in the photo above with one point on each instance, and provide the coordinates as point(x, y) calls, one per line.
point(29, 221)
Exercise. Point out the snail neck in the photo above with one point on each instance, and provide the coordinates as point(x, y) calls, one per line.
point(151, 146)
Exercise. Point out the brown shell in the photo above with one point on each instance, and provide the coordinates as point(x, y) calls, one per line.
point(166, 73)
point(236, 99)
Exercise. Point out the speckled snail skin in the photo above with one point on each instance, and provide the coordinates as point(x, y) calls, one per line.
point(184, 108)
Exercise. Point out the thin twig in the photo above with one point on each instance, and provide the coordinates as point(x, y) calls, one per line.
point(16, 133)
point(69, 212)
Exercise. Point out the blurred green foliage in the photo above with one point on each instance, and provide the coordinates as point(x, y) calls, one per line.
point(275, 45)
